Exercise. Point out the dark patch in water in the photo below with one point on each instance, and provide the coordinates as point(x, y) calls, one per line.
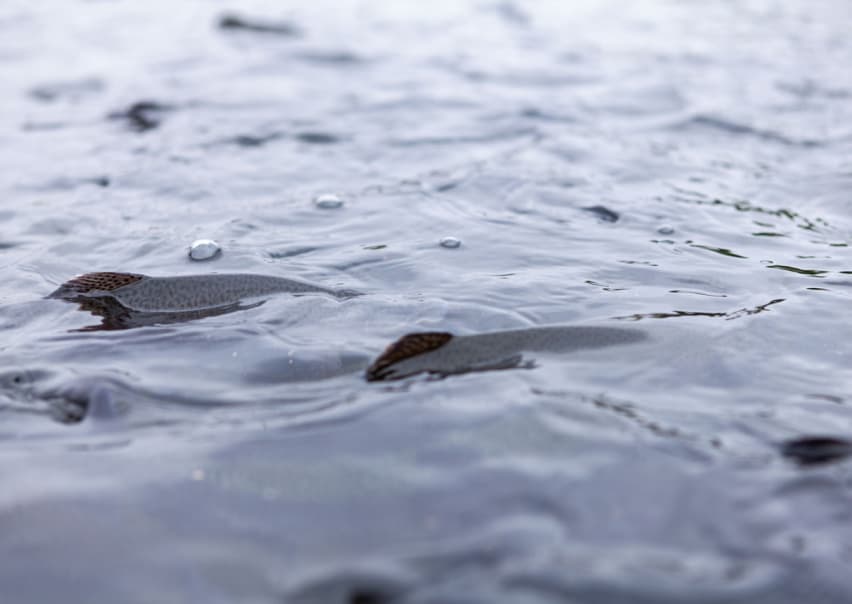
point(317, 138)
point(332, 58)
point(101, 181)
point(293, 252)
point(447, 186)
point(732, 127)
point(815, 450)
point(142, 115)
point(539, 114)
point(69, 410)
point(512, 13)
point(803, 222)
point(42, 126)
point(351, 588)
point(279, 28)
point(72, 90)
point(258, 140)
point(831, 398)
point(66, 183)
point(723, 251)
point(809, 272)
point(809, 89)
point(369, 596)
point(249, 140)
point(603, 213)
point(466, 139)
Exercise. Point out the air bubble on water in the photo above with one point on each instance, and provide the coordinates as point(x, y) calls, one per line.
point(328, 201)
point(666, 229)
point(450, 242)
point(204, 249)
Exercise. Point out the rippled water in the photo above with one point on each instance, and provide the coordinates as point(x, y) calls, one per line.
point(682, 168)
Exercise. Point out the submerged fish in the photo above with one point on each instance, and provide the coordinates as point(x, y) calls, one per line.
point(442, 353)
point(142, 293)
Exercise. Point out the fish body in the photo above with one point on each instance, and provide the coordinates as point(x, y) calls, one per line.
point(442, 353)
point(143, 293)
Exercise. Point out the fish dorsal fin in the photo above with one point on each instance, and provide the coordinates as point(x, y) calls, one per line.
point(100, 281)
point(406, 347)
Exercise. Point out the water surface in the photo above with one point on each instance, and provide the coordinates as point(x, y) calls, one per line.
point(680, 168)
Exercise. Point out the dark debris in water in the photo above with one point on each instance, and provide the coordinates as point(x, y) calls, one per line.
point(816, 450)
point(142, 115)
point(603, 213)
point(232, 22)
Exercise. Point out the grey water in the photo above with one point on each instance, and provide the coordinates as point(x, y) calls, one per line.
point(681, 169)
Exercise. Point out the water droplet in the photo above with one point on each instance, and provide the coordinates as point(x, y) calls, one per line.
point(450, 242)
point(328, 201)
point(666, 229)
point(204, 249)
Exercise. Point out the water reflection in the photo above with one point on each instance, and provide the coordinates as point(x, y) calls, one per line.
point(809, 272)
point(698, 198)
point(115, 315)
point(742, 312)
point(730, 126)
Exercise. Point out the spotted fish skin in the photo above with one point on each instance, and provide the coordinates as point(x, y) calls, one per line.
point(186, 293)
point(91, 282)
point(406, 347)
point(440, 353)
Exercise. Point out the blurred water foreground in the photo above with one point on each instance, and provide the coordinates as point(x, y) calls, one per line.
point(681, 169)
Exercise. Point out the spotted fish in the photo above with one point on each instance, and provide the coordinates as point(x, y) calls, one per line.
point(442, 353)
point(142, 293)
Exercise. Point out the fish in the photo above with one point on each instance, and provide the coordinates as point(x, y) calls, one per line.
point(442, 353)
point(190, 293)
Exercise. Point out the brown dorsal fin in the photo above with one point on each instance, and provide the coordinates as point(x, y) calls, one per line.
point(99, 281)
point(407, 346)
